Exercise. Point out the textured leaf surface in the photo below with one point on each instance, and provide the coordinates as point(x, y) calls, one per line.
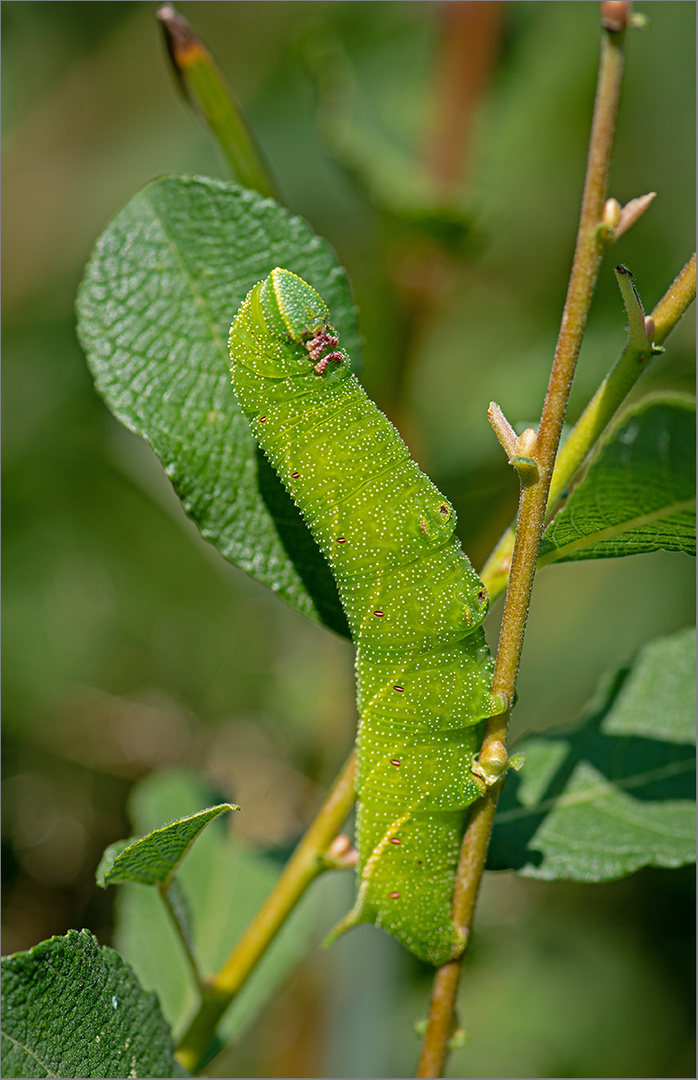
point(71, 1008)
point(639, 493)
point(154, 311)
point(618, 792)
point(225, 882)
point(153, 860)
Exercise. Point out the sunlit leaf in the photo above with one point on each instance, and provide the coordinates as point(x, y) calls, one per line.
point(154, 311)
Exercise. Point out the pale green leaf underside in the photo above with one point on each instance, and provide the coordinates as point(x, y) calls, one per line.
point(154, 311)
point(154, 859)
point(71, 1008)
point(618, 792)
point(639, 493)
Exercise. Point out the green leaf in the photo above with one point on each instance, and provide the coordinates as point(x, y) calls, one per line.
point(617, 793)
point(154, 311)
point(71, 1008)
point(155, 858)
point(639, 493)
point(225, 881)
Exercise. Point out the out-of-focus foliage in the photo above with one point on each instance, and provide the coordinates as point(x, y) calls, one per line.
point(131, 646)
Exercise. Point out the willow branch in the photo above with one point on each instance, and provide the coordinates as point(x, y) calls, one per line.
point(530, 520)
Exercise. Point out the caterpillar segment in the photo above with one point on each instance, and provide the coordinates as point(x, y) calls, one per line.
point(413, 602)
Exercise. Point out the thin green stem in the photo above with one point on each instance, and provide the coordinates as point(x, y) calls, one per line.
point(605, 403)
point(204, 86)
point(531, 516)
point(307, 862)
point(181, 931)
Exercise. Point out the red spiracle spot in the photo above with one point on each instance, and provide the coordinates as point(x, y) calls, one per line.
point(400, 689)
point(394, 840)
point(262, 419)
point(444, 509)
point(341, 539)
point(394, 896)
point(295, 475)
point(379, 614)
point(395, 762)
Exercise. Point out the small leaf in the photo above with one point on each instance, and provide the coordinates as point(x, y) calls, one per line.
point(617, 793)
point(639, 493)
point(154, 859)
point(154, 311)
point(226, 882)
point(71, 1008)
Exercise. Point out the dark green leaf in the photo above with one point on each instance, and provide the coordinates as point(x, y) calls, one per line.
point(154, 859)
point(639, 493)
point(155, 307)
point(71, 1008)
point(618, 792)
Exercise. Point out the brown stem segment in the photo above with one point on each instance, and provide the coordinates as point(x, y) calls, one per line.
point(307, 862)
point(531, 516)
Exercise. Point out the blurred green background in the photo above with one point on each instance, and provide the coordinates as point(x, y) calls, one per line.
point(130, 646)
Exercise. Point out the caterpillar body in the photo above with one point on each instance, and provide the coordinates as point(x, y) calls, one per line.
point(413, 601)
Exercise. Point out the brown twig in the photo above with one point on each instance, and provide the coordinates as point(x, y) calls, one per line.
point(531, 516)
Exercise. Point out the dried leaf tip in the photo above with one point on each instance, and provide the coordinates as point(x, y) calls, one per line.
point(181, 42)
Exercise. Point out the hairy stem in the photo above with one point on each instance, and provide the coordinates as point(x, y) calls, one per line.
point(306, 863)
point(530, 520)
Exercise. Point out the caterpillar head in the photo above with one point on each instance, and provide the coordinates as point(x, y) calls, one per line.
point(293, 308)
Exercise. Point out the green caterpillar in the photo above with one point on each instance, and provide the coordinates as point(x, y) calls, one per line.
point(413, 601)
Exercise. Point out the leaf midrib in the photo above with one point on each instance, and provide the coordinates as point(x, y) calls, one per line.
point(627, 526)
